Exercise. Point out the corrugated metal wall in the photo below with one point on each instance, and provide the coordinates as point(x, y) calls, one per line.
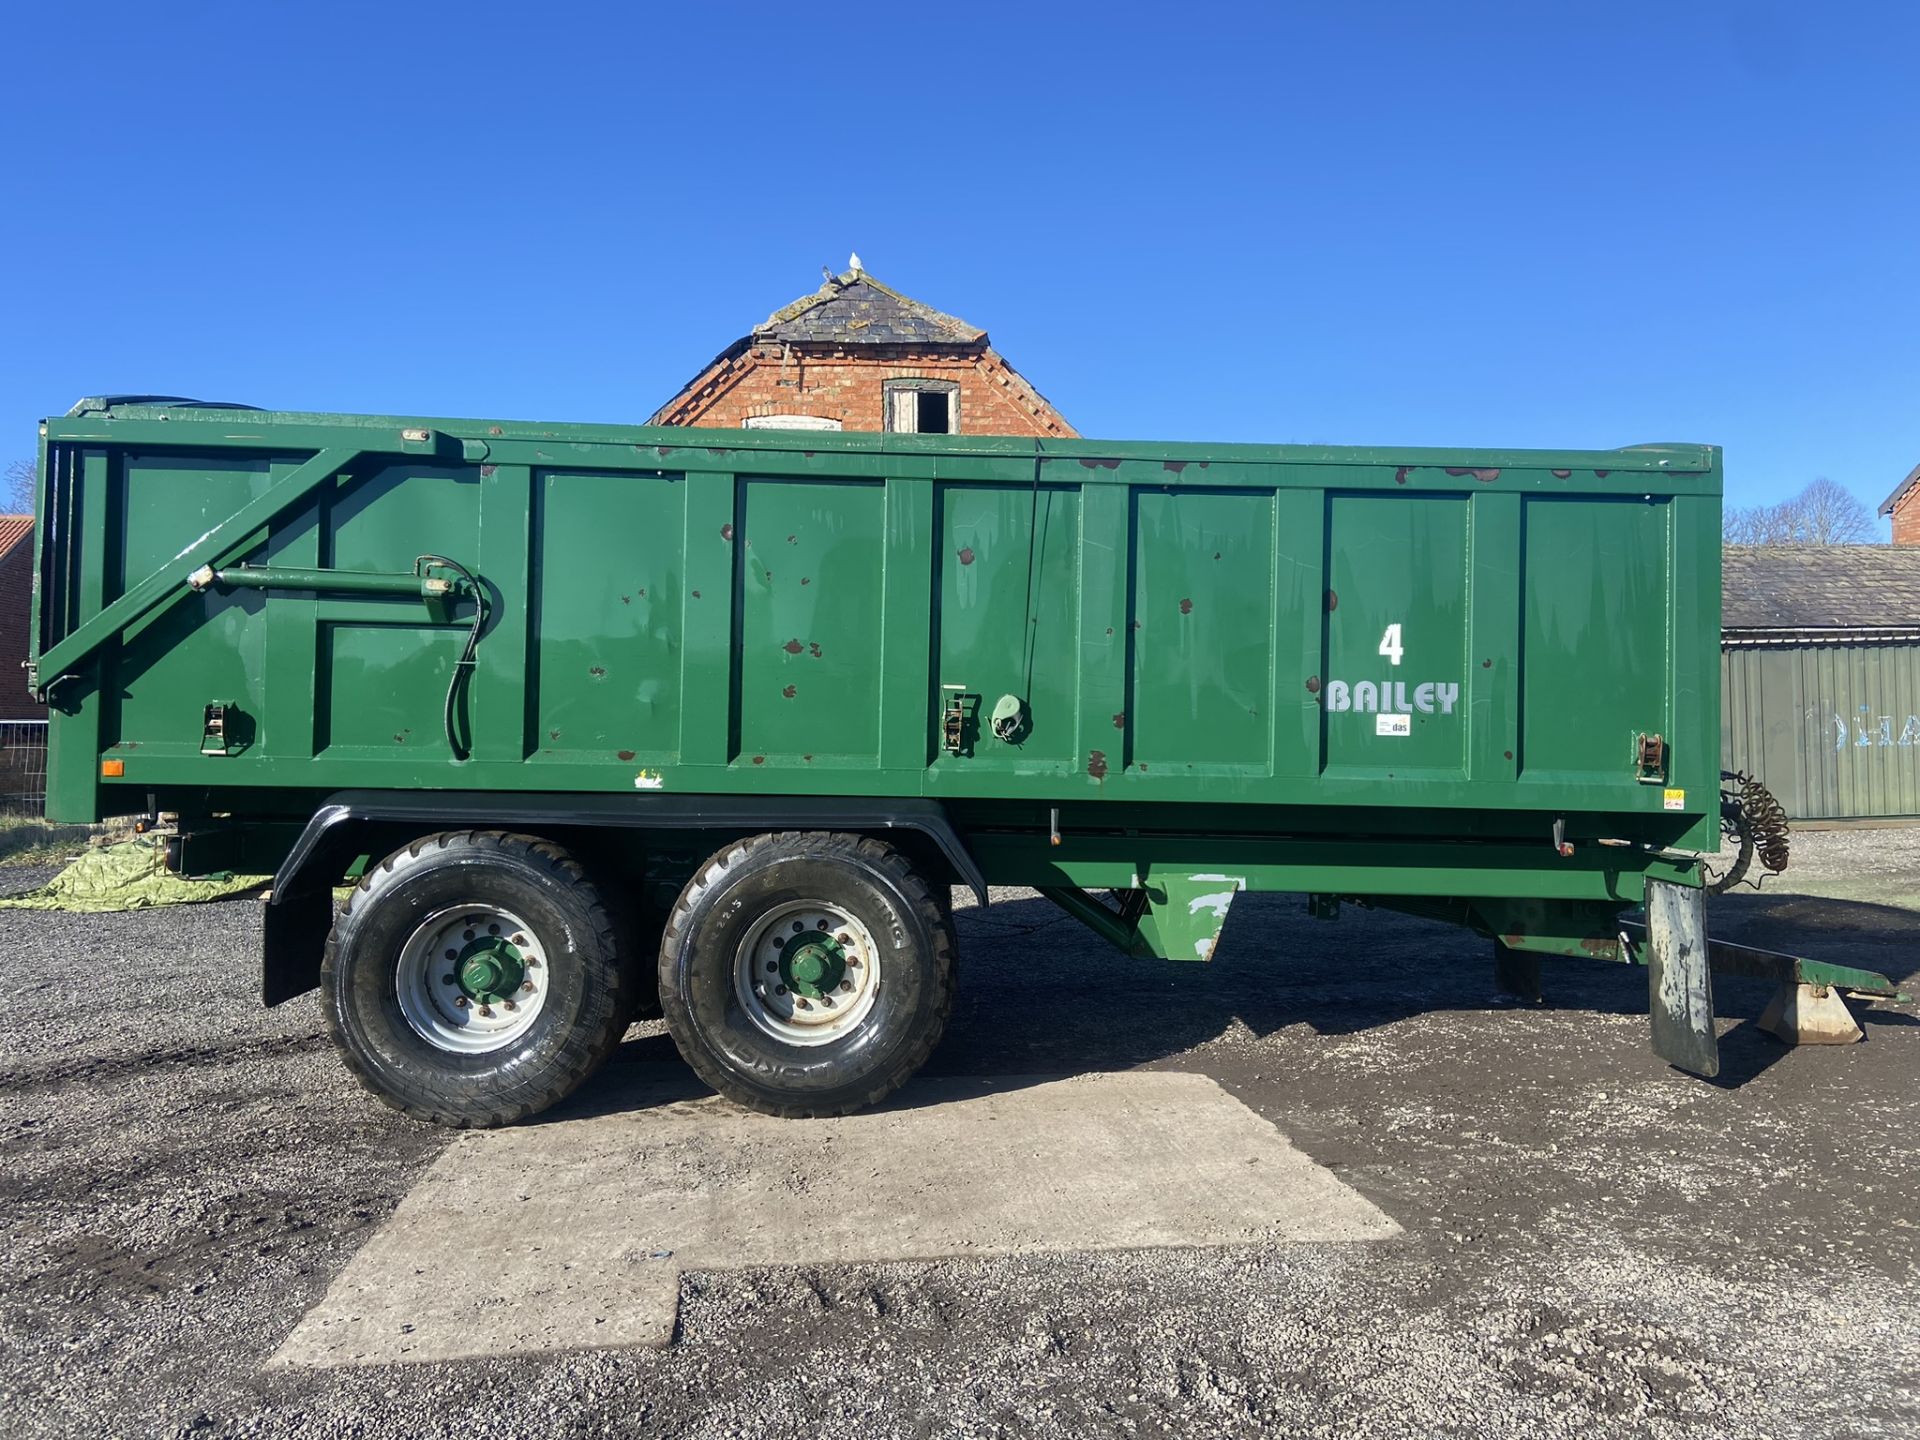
point(1833, 730)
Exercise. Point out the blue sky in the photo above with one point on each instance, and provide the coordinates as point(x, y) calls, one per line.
point(1530, 224)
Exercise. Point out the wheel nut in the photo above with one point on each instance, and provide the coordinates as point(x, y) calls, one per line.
point(519, 939)
point(467, 936)
point(773, 964)
point(448, 980)
point(844, 939)
point(493, 929)
point(804, 1003)
point(822, 925)
point(846, 985)
point(462, 1001)
point(486, 1012)
point(453, 954)
point(779, 989)
point(527, 989)
point(509, 1005)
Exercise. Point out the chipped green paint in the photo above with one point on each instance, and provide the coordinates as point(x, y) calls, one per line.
point(1229, 659)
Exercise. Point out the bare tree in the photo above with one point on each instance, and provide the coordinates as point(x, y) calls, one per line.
point(1824, 513)
point(16, 488)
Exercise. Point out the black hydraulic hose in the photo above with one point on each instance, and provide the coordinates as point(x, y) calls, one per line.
point(464, 665)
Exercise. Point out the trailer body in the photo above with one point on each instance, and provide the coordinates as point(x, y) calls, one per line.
point(1475, 684)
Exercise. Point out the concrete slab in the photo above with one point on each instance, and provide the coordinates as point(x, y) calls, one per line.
point(572, 1234)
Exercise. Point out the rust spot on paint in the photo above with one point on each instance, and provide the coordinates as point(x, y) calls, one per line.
point(553, 734)
point(806, 579)
point(1485, 477)
point(1602, 474)
point(495, 430)
point(726, 532)
point(1093, 464)
point(793, 647)
point(1313, 684)
point(715, 450)
point(696, 594)
point(599, 672)
point(790, 540)
point(1186, 606)
point(1486, 664)
point(1206, 464)
point(663, 450)
point(1513, 939)
point(1333, 600)
point(790, 691)
point(966, 555)
point(1109, 629)
point(642, 592)
point(1173, 466)
point(807, 453)
point(768, 575)
point(1097, 764)
point(1120, 721)
point(626, 599)
point(1216, 554)
point(486, 471)
point(807, 758)
point(1400, 475)
point(625, 754)
point(1507, 753)
point(399, 739)
point(1138, 623)
point(813, 649)
point(1601, 947)
point(759, 759)
point(1143, 764)
point(1562, 474)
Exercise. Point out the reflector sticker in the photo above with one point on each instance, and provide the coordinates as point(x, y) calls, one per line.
point(647, 780)
point(1676, 800)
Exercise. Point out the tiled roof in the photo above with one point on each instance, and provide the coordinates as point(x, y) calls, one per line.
point(14, 529)
point(856, 309)
point(1812, 587)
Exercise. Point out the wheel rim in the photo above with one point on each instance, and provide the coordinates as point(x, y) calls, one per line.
point(472, 979)
point(807, 973)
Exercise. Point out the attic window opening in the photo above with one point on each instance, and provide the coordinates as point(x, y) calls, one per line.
point(923, 407)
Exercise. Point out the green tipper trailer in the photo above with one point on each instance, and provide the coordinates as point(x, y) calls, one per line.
point(599, 715)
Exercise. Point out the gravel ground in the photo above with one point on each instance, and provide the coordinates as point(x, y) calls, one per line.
point(1594, 1243)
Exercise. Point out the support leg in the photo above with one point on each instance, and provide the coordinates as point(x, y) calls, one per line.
point(1810, 1015)
point(1679, 986)
point(1516, 973)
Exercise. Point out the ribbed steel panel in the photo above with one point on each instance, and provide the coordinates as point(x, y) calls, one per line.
point(1832, 729)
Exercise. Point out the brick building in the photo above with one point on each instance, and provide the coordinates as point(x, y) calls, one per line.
point(16, 611)
point(855, 355)
point(1904, 506)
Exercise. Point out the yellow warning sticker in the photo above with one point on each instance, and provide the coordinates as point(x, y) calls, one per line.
point(1676, 800)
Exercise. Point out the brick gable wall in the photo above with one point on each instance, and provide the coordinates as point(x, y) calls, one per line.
point(1906, 518)
point(849, 386)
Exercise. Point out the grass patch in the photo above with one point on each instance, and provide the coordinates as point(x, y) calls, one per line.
point(27, 841)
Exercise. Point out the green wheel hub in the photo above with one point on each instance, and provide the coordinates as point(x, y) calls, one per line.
point(490, 970)
point(814, 966)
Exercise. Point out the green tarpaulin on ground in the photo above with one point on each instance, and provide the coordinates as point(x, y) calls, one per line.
point(129, 875)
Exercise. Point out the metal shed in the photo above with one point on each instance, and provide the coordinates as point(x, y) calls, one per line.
point(1820, 676)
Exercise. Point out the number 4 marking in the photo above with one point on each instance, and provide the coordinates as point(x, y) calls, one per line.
point(1390, 644)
